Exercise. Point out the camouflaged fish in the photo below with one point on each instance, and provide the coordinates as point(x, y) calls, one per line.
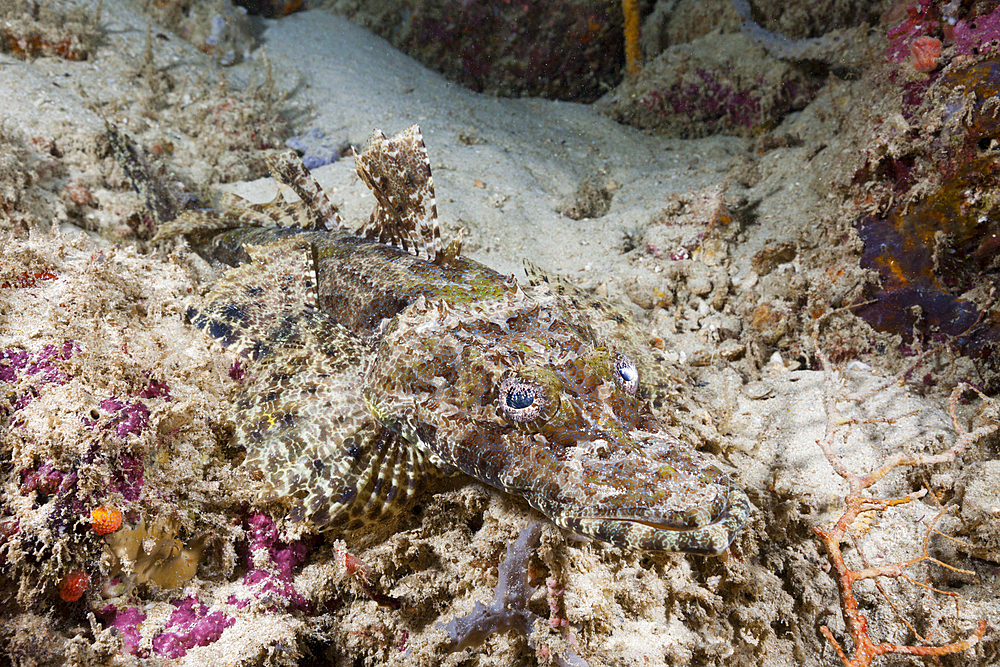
point(377, 354)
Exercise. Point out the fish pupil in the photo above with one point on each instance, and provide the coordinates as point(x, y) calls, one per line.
point(519, 398)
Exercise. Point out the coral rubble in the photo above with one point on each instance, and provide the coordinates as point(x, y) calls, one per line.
point(688, 90)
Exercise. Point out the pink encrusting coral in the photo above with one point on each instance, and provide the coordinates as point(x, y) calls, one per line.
point(127, 622)
point(44, 362)
point(133, 417)
point(925, 31)
point(45, 479)
point(126, 476)
point(270, 562)
point(732, 87)
point(18, 364)
point(155, 388)
point(190, 625)
point(129, 418)
point(975, 36)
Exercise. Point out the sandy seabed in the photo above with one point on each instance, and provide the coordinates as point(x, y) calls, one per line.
point(721, 250)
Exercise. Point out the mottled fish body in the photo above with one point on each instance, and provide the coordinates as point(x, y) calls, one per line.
point(374, 355)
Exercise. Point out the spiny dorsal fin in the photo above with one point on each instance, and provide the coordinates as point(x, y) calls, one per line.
point(313, 212)
point(240, 213)
point(275, 213)
point(399, 174)
point(288, 170)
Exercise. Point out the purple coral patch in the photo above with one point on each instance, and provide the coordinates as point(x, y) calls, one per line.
point(133, 417)
point(45, 479)
point(984, 31)
point(270, 561)
point(156, 389)
point(190, 625)
point(11, 361)
point(126, 477)
point(283, 556)
point(128, 418)
point(127, 622)
point(17, 363)
point(710, 98)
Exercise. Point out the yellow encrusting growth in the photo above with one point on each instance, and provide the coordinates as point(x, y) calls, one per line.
point(154, 554)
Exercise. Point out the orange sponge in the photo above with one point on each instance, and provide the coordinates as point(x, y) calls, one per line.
point(105, 520)
point(73, 585)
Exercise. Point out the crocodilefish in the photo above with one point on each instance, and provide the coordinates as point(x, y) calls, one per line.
point(374, 354)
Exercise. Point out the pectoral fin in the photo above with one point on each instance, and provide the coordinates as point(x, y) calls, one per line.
point(300, 413)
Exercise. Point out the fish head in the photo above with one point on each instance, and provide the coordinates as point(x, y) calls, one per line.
point(528, 401)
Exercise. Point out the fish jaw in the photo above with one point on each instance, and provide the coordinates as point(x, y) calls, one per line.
point(646, 491)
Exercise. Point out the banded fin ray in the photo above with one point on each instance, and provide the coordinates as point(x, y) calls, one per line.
point(289, 170)
point(240, 214)
point(314, 211)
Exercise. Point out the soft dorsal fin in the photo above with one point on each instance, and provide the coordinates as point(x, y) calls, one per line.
point(399, 174)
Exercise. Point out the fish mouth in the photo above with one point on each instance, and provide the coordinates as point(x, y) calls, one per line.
point(702, 532)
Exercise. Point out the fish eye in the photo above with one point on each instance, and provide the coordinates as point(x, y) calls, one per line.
point(522, 401)
point(626, 375)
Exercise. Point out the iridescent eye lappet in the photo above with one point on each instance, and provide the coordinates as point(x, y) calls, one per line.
point(375, 354)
